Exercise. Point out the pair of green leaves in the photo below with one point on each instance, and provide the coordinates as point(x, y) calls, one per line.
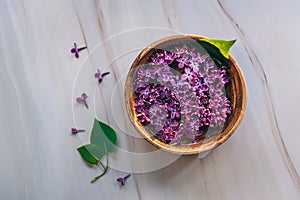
point(103, 140)
point(217, 49)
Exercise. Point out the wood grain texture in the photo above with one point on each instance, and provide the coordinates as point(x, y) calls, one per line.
point(39, 80)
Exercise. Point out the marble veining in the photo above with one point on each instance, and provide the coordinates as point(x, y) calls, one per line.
point(269, 103)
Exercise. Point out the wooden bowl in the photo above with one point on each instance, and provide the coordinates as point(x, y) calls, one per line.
point(236, 89)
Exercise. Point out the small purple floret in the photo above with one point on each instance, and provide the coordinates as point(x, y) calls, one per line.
point(75, 50)
point(75, 131)
point(82, 99)
point(180, 94)
point(100, 75)
point(122, 180)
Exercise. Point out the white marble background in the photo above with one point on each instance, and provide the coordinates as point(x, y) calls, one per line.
point(39, 78)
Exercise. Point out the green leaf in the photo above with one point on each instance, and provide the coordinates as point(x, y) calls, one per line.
point(103, 136)
point(91, 153)
point(105, 168)
point(223, 45)
point(214, 53)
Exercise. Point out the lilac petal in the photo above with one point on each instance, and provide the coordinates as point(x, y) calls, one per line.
point(180, 65)
point(76, 54)
point(121, 180)
point(75, 47)
point(187, 70)
point(173, 115)
point(74, 131)
point(84, 96)
point(98, 74)
point(73, 50)
point(184, 77)
point(79, 99)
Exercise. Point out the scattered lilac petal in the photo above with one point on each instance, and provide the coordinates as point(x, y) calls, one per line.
point(100, 75)
point(75, 50)
point(122, 180)
point(75, 131)
point(82, 99)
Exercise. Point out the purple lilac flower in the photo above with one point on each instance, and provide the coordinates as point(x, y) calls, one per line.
point(167, 134)
point(100, 75)
point(144, 91)
point(168, 78)
point(208, 64)
point(188, 74)
point(194, 66)
point(147, 74)
point(75, 50)
point(161, 70)
point(183, 61)
point(169, 57)
point(122, 180)
point(198, 136)
point(178, 103)
point(82, 99)
point(75, 131)
point(180, 51)
point(158, 116)
point(186, 133)
point(143, 118)
point(158, 59)
point(175, 114)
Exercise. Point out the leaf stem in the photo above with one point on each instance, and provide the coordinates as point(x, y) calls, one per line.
point(104, 167)
point(97, 177)
point(101, 164)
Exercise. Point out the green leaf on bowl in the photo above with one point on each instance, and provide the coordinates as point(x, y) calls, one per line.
point(91, 153)
point(223, 45)
point(103, 135)
point(218, 49)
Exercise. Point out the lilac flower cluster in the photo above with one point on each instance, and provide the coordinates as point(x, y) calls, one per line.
point(180, 94)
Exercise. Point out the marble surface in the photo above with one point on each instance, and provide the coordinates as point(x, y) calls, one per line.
point(40, 79)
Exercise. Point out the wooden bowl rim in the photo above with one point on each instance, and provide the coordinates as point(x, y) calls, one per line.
point(192, 148)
